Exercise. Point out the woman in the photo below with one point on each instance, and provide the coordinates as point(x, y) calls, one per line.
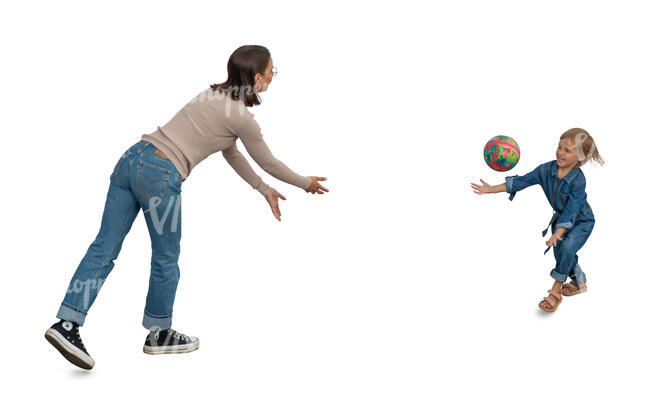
point(149, 175)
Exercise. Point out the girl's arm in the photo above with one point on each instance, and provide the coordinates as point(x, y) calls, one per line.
point(516, 183)
point(498, 188)
point(512, 185)
point(488, 189)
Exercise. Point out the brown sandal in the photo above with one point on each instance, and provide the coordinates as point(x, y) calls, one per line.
point(552, 303)
point(571, 288)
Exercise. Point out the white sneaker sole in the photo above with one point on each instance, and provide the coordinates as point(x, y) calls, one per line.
point(68, 350)
point(171, 349)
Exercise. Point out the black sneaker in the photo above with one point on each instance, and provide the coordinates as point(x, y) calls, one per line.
point(64, 336)
point(169, 342)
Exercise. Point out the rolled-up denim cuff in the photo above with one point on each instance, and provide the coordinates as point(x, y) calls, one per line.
point(156, 323)
point(567, 225)
point(509, 181)
point(558, 276)
point(578, 275)
point(67, 313)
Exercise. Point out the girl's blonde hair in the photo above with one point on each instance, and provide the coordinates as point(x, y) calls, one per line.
point(585, 145)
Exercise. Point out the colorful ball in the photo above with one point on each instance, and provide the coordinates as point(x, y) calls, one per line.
point(501, 153)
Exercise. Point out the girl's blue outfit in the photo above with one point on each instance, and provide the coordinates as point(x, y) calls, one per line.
point(570, 211)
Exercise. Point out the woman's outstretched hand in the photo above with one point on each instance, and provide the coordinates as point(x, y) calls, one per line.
point(315, 186)
point(485, 188)
point(272, 197)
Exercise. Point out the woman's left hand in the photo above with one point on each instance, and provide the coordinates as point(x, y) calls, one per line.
point(315, 187)
point(556, 237)
point(272, 197)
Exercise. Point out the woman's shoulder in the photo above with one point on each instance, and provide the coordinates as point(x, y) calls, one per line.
point(217, 95)
point(233, 111)
point(208, 95)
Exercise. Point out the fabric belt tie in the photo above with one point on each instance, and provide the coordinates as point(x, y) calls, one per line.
point(555, 216)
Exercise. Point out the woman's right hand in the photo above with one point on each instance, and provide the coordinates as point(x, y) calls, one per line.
point(482, 189)
point(315, 186)
point(272, 198)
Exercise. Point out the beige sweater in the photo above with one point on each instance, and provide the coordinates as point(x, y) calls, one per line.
point(212, 122)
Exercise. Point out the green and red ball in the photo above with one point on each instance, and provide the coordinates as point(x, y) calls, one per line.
point(501, 153)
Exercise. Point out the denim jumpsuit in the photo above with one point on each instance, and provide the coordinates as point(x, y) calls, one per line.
point(570, 211)
point(140, 180)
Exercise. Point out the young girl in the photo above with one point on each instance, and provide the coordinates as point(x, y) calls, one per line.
point(149, 176)
point(564, 185)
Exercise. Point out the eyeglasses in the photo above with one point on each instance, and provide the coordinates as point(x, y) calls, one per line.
point(274, 71)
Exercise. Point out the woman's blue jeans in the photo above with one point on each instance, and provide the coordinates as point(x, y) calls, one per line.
point(566, 259)
point(140, 180)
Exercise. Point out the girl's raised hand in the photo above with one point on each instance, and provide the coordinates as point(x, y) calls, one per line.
point(315, 186)
point(482, 189)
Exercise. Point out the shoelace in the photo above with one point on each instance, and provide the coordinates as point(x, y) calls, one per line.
point(179, 335)
point(76, 331)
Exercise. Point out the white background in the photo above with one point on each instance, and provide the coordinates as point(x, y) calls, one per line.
point(399, 291)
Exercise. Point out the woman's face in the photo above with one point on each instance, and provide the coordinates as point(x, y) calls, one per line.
point(262, 80)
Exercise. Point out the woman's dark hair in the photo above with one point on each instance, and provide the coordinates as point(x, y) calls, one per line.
point(243, 64)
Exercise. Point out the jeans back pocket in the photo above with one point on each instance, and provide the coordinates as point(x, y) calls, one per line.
point(151, 180)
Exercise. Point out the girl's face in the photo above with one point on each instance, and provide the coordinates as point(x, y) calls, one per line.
point(567, 154)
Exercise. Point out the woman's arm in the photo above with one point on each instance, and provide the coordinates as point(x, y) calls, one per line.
point(251, 136)
point(238, 163)
point(243, 168)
